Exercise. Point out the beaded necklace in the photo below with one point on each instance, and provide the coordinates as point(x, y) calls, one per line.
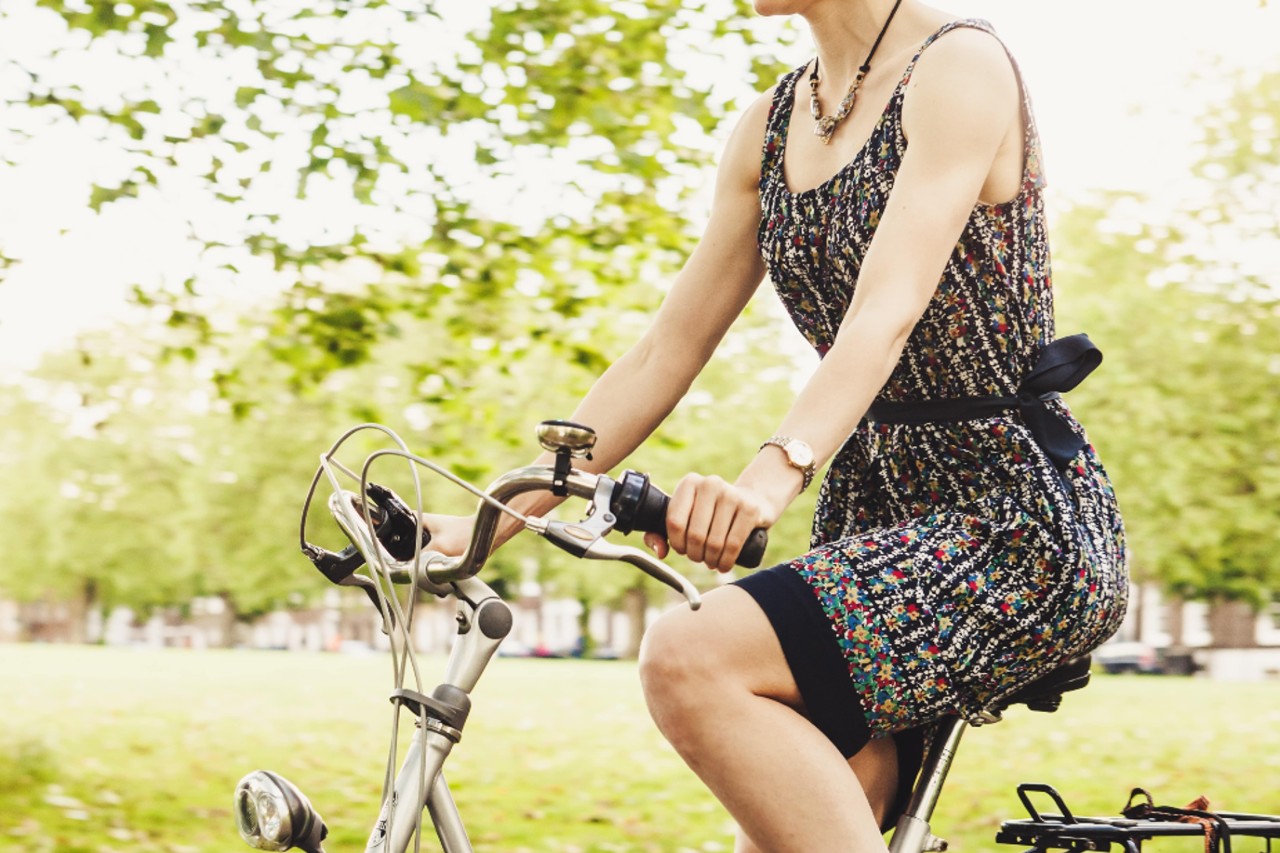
point(825, 126)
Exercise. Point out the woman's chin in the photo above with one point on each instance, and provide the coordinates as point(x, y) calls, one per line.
point(778, 7)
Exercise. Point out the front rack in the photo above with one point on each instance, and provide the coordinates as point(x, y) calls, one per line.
point(1065, 831)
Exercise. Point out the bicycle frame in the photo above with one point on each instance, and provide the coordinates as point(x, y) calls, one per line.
point(913, 834)
point(484, 621)
point(467, 662)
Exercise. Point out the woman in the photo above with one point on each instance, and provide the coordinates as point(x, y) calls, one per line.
point(966, 538)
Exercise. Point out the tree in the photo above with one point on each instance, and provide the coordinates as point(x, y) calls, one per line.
point(154, 489)
point(419, 156)
point(419, 145)
point(1184, 297)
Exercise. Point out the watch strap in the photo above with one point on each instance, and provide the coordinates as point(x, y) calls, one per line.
point(782, 441)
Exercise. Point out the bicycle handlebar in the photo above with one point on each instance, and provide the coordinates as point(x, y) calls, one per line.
point(532, 478)
point(640, 505)
point(635, 502)
point(631, 503)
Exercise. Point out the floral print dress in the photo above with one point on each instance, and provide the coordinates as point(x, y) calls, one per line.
point(953, 561)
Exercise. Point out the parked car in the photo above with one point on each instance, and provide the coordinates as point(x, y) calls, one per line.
point(1127, 656)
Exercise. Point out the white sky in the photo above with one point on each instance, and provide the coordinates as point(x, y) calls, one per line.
point(1112, 82)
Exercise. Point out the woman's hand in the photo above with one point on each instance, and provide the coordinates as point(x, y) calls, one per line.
point(709, 520)
point(450, 534)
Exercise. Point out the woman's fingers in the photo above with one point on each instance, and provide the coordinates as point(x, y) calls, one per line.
point(657, 544)
point(679, 509)
point(739, 532)
point(707, 501)
point(708, 520)
point(718, 553)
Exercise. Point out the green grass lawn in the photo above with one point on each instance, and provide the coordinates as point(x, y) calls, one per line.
point(120, 750)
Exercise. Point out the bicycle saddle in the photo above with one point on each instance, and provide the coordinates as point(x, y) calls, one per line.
point(1045, 693)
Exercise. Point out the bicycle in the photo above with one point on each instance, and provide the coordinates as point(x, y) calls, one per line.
point(387, 541)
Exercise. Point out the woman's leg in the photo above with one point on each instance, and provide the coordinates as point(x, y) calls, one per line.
point(876, 766)
point(719, 689)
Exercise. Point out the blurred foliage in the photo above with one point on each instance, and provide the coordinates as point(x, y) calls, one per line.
point(448, 278)
point(1184, 299)
point(429, 148)
point(432, 136)
point(467, 230)
point(163, 493)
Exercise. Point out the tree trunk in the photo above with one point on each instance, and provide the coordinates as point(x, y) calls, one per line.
point(1175, 605)
point(227, 621)
point(1139, 612)
point(77, 612)
point(586, 643)
point(1232, 625)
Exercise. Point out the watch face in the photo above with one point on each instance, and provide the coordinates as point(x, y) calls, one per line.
point(800, 454)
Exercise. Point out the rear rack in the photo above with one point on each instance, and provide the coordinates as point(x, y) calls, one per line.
point(1065, 831)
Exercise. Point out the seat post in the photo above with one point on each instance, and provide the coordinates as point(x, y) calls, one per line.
point(912, 834)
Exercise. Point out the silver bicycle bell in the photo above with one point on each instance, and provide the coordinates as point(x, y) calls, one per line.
point(566, 437)
point(566, 440)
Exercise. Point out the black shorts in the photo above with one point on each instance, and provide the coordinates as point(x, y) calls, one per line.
point(822, 674)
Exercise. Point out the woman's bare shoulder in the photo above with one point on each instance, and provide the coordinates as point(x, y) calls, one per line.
point(742, 153)
point(968, 74)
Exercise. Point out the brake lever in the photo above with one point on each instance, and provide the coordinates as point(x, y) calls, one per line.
point(649, 564)
point(342, 505)
point(585, 539)
point(394, 527)
point(371, 589)
point(398, 525)
point(334, 566)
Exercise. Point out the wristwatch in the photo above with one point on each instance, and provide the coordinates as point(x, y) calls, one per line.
point(799, 456)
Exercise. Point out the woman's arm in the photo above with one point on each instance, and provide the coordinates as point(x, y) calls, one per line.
point(641, 388)
point(959, 108)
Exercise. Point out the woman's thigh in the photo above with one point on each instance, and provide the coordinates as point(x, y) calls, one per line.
point(729, 637)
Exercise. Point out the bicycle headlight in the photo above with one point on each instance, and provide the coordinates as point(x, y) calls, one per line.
point(272, 814)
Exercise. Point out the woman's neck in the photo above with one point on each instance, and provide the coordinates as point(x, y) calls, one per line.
point(844, 31)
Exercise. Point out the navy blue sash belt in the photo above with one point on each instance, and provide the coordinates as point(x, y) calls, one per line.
point(1062, 366)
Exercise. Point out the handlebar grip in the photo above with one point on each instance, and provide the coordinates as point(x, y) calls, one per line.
point(396, 525)
point(640, 505)
point(393, 523)
point(752, 552)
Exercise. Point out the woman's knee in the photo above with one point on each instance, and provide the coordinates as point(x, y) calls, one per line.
point(692, 659)
point(676, 657)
